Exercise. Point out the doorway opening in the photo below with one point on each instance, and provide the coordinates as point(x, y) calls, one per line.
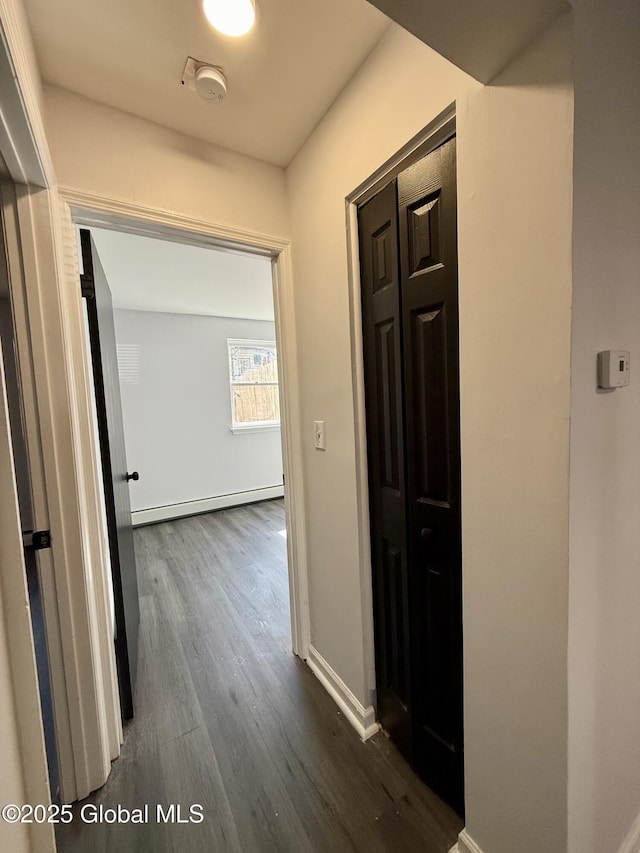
point(184, 353)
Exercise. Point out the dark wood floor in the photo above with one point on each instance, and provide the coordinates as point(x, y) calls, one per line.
point(228, 718)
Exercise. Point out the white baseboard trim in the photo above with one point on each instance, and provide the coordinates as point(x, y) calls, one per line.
point(631, 844)
point(465, 844)
point(166, 513)
point(362, 719)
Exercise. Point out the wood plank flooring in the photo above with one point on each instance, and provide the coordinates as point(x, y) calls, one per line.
point(227, 717)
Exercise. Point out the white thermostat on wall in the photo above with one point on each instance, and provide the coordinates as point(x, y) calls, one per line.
point(613, 368)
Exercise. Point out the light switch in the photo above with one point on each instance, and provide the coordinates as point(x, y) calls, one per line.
point(319, 434)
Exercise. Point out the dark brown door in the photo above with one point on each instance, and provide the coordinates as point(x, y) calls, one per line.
point(382, 339)
point(430, 427)
point(429, 285)
point(114, 469)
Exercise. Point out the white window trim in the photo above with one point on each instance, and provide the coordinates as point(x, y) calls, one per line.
point(255, 426)
point(258, 426)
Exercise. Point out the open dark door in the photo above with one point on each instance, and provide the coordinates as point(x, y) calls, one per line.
point(114, 468)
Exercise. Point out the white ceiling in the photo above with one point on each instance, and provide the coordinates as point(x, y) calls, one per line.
point(282, 76)
point(146, 274)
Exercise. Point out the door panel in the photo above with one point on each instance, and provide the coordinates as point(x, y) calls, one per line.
point(429, 287)
point(395, 613)
point(431, 415)
point(424, 233)
point(114, 469)
point(378, 227)
point(388, 462)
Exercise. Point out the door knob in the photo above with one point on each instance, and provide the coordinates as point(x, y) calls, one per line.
point(425, 532)
point(134, 476)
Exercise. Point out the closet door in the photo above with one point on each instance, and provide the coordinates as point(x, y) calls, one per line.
point(382, 338)
point(429, 300)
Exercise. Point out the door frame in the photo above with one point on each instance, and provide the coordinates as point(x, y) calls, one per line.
point(87, 210)
point(423, 143)
point(15, 623)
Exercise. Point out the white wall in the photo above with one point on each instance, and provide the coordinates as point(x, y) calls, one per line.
point(16, 836)
point(604, 666)
point(176, 407)
point(515, 315)
point(514, 167)
point(14, 614)
point(12, 837)
point(112, 154)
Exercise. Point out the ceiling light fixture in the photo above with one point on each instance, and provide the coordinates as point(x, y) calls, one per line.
point(231, 17)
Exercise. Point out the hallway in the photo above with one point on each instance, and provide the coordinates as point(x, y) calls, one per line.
point(228, 718)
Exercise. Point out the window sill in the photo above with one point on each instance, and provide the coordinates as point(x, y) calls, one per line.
point(240, 430)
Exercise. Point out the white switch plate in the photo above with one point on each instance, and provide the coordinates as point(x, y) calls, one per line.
point(319, 435)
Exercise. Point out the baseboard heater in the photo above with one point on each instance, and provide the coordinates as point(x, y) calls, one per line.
point(180, 510)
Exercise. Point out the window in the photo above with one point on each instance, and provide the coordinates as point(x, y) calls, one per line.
point(253, 372)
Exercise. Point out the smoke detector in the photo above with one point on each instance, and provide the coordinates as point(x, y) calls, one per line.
point(211, 83)
point(205, 79)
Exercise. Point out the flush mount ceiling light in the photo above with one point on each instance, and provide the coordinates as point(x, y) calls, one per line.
point(231, 17)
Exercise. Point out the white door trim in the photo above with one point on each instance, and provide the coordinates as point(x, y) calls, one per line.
point(104, 212)
point(84, 679)
point(23, 139)
point(361, 194)
point(15, 622)
point(97, 211)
